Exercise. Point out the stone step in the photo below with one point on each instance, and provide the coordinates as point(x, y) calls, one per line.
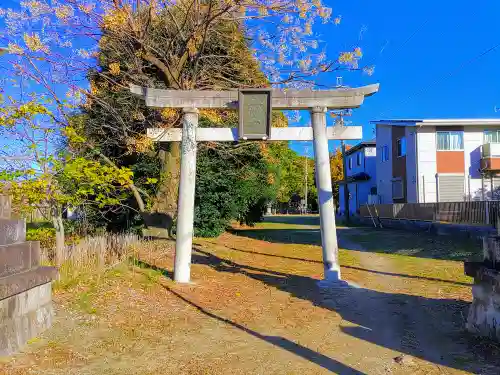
point(12, 231)
point(19, 257)
point(21, 282)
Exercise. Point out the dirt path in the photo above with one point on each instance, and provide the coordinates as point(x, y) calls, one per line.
point(418, 327)
point(255, 308)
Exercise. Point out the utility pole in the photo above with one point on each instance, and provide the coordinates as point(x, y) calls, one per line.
point(346, 189)
point(306, 179)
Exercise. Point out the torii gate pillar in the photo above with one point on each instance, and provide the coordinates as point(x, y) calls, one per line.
point(185, 204)
point(325, 194)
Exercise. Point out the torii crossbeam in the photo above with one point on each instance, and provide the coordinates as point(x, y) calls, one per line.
point(317, 102)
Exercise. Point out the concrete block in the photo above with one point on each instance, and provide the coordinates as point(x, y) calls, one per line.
point(12, 231)
point(19, 257)
point(16, 332)
point(21, 282)
point(22, 303)
point(5, 206)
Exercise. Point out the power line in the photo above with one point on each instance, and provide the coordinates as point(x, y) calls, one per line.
point(449, 74)
point(415, 32)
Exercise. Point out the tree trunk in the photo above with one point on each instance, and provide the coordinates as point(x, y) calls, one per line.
point(159, 223)
point(166, 198)
point(60, 238)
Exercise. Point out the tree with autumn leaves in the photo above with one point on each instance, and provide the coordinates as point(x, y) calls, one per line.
point(46, 179)
point(188, 44)
point(337, 171)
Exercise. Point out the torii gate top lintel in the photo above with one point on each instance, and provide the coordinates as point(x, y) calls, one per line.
point(339, 98)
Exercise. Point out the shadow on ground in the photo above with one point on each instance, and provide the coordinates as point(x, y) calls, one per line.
point(426, 328)
point(281, 342)
point(293, 219)
point(385, 273)
point(387, 241)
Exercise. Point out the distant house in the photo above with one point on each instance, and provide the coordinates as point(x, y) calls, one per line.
point(361, 180)
point(437, 160)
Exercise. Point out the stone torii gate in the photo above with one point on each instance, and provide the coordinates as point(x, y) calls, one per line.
point(259, 108)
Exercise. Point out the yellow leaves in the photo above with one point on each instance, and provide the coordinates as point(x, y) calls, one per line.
point(263, 11)
point(116, 18)
point(63, 12)
point(170, 114)
point(351, 58)
point(138, 116)
point(305, 64)
point(212, 115)
point(94, 89)
point(308, 28)
point(336, 165)
point(10, 116)
point(191, 46)
point(72, 135)
point(271, 178)
point(337, 20)
point(114, 68)
point(35, 7)
point(14, 49)
point(324, 13)
point(346, 57)
point(140, 144)
point(34, 43)
point(280, 120)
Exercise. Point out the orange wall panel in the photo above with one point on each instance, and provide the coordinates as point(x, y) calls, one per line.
point(450, 162)
point(491, 164)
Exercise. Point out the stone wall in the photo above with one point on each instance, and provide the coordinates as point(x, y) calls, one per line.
point(484, 313)
point(25, 286)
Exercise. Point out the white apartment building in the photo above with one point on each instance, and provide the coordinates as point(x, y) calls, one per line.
point(437, 160)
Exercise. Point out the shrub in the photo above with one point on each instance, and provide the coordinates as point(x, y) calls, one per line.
point(46, 236)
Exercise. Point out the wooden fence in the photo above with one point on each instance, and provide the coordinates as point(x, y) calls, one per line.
point(472, 213)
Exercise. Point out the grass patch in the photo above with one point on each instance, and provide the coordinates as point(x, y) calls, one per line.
point(84, 301)
point(415, 244)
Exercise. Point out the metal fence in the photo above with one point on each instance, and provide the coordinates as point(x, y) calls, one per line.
point(472, 213)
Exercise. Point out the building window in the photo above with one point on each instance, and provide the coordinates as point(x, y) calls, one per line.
point(397, 189)
point(350, 163)
point(492, 136)
point(401, 146)
point(384, 155)
point(450, 141)
point(358, 158)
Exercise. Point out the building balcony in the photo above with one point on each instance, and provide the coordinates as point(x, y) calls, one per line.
point(490, 156)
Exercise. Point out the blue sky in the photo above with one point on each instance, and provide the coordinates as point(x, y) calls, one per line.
point(426, 56)
point(435, 73)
